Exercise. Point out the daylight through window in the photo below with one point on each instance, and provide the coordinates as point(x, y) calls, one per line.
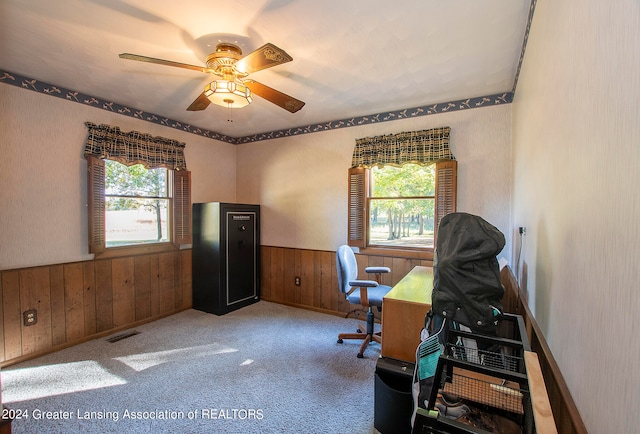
point(401, 206)
point(137, 204)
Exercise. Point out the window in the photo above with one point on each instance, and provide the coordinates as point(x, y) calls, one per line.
point(400, 207)
point(137, 204)
point(142, 205)
point(134, 206)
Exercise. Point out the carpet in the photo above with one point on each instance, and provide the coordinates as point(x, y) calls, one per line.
point(265, 368)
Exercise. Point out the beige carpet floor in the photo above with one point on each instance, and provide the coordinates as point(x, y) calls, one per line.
point(266, 368)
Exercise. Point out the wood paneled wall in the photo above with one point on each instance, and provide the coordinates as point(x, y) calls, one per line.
point(80, 300)
point(318, 288)
point(83, 300)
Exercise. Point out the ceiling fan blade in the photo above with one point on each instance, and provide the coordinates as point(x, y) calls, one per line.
point(264, 57)
point(200, 103)
point(283, 100)
point(162, 62)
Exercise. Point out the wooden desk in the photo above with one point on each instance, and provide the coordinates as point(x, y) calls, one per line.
point(403, 312)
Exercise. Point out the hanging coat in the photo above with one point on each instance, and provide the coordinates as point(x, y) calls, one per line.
point(466, 275)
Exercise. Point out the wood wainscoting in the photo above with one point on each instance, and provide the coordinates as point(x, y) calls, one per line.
point(84, 300)
point(78, 301)
point(318, 289)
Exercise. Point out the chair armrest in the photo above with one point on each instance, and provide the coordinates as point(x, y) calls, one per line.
point(363, 283)
point(375, 270)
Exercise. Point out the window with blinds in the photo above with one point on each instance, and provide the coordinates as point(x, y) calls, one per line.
point(135, 207)
point(401, 207)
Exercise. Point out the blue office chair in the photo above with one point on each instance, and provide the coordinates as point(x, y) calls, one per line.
point(367, 293)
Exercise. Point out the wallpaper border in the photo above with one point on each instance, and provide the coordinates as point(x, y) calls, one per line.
point(82, 98)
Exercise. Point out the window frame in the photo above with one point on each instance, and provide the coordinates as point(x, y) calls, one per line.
point(179, 214)
point(359, 195)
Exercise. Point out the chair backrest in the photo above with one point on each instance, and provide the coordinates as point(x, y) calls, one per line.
point(347, 267)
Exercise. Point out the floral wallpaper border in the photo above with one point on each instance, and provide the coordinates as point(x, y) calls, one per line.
point(75, 96)
point(463, 104)
point(469, 103)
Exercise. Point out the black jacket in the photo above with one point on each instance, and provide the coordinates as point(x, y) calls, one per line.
point(467, 287)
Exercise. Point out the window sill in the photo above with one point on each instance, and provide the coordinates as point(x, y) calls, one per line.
point(396, 252)
point(116, 252)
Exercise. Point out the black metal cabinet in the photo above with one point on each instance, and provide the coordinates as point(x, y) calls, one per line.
point(226, 256)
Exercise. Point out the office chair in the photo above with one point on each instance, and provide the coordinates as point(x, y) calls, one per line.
point(368, 293)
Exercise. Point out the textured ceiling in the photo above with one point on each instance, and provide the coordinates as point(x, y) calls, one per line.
point(350, 58)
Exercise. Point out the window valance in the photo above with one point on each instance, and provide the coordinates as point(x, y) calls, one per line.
point(133, 147)
point(419, 147)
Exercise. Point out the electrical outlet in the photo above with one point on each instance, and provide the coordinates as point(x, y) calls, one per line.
point(522, 230)
point(296, 280)
point(30, 317)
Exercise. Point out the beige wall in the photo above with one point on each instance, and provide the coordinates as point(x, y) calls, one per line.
point(43, 216)
point(576, 136)
point(301, 182)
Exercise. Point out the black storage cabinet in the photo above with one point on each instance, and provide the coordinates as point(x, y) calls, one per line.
point(393, 405)
point(226, 256)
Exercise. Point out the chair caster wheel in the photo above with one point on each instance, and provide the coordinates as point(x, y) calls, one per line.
point(360, 356)
point(340, 341)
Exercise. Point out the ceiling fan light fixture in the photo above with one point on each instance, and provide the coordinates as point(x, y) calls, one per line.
point(230, 89)
point(220, 92)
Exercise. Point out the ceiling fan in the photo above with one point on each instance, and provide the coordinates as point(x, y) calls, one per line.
point(231, 88)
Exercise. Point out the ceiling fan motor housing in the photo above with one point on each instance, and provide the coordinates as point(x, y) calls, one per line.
point(222, 61)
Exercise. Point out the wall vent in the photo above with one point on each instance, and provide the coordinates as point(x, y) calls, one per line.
point(122, 336)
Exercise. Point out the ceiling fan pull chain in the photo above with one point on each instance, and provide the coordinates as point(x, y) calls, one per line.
point(229, 113)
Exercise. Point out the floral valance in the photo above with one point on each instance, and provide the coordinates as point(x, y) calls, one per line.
point(419, 147)
point(133, 147)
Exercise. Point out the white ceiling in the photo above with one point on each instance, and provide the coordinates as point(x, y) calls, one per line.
point(350, 57)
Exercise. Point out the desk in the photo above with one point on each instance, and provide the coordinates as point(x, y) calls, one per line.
point(403, 312)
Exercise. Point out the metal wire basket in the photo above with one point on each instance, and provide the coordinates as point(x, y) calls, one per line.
point(487, 376)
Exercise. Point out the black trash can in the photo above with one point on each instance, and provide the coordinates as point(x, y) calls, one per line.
point(393, 399)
